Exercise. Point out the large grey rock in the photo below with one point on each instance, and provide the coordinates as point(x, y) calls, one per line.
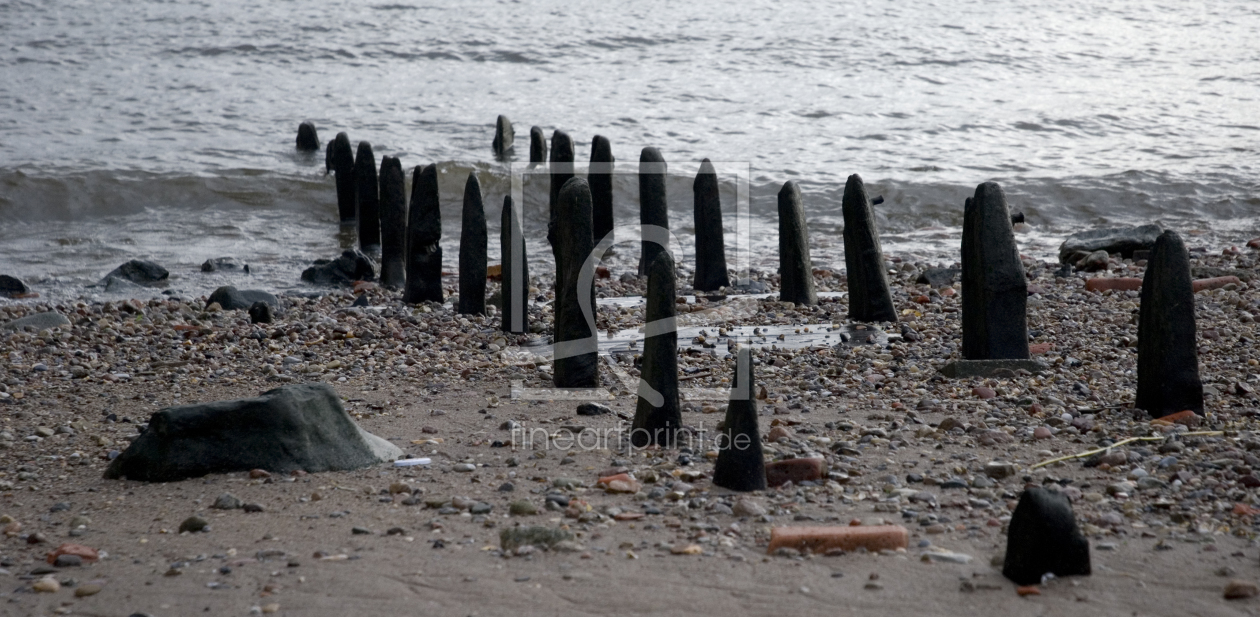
point(342, 156)
point(994, 287)
point(796, 269)
point(959, 369)
point(1168, 356)
point(222, 264)
point(393, 192)
point(869, 298)
point(367, 199)
point(233, 299)
point(504, 135)
point(601, 181)
point(345, 270)
point(1042, 538)
point(1123, 240)
point(424, 232)
point(138, 271)
point(39, 321)
point(658, 414)
point(711, 273)
point(515, 282)
point(741, 465)
point(290, 428)
point(653, 206)
point(472, 251)
point(938, 277)
point(307, 138)
point(576, 348)
point(11, 286)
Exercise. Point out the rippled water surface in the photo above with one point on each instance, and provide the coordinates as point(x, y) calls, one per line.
point(165, 129)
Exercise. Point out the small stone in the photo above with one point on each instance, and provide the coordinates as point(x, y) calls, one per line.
point(522, 508)
point(68, 561)
point(464, 467)
point(226, 501)
point(999, 470)
point(1042, 432)
point(360, 531)
point(88, 589)
point(193, 524)
point(748, 507)
point(49, 584)
point(592, 409)
point(252, 507)
point(1238, 590)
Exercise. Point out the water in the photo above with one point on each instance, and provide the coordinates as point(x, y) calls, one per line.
point(165, 130)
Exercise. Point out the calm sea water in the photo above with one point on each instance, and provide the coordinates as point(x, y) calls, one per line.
point(165, 129)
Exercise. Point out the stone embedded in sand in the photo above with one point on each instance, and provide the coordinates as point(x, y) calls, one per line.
point(873, 538)
point(711, 273)
point(233, 299)
point(515, 271)
point(367, 199)
point(658, 414)
point(653, 207)
point(994, 287)
point(869, 298)
point(741, 465)
point(307, 138)
point(537, 145)
point(299, 427)
point(1168, 356)
point(576, 348)
point(592, 409)
point(472, 251)
point(794, 470)
point(1122, 240)
point(504, 135)
point(343, 167)
point(38, 321)
point(138, 271)
point(939, 277)
point(1043, 537)
point(345, 270)
point(538, 537)
point(600, 178)
point(424, 232)
point(393, 192)
point(796, 270)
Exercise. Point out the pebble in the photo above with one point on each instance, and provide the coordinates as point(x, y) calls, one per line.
point(47, 584)
point(88, 589)
point(1238, 590)
point(193, 524)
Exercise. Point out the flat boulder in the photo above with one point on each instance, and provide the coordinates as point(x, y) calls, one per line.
point(298, 427)
point(233, 299)
point(138, 271)
point(345, 270)
point(39, 321)
point(1122, 240)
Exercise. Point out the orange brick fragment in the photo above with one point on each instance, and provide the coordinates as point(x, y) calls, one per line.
point(1120, 284)
point(823, 539)
point(1028, 590)
point(1214, 283)
point(86, 552)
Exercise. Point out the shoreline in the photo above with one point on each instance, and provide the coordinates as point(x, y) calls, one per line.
point(902, 446)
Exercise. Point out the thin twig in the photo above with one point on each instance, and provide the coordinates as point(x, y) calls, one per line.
point(1118, 444)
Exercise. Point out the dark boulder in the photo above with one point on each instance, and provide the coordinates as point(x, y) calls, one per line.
point(1168, 356)
point(138, 271)
point(223, 264)
point(938, 277)
point(11, 286)
point(307, 138)
point(300, 427)
point(345, 270)
point(1122, 240)
point(233, 299)
point(260, 312)
point(1043, 538)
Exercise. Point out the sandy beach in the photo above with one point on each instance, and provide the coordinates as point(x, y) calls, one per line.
point(1169, 517)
